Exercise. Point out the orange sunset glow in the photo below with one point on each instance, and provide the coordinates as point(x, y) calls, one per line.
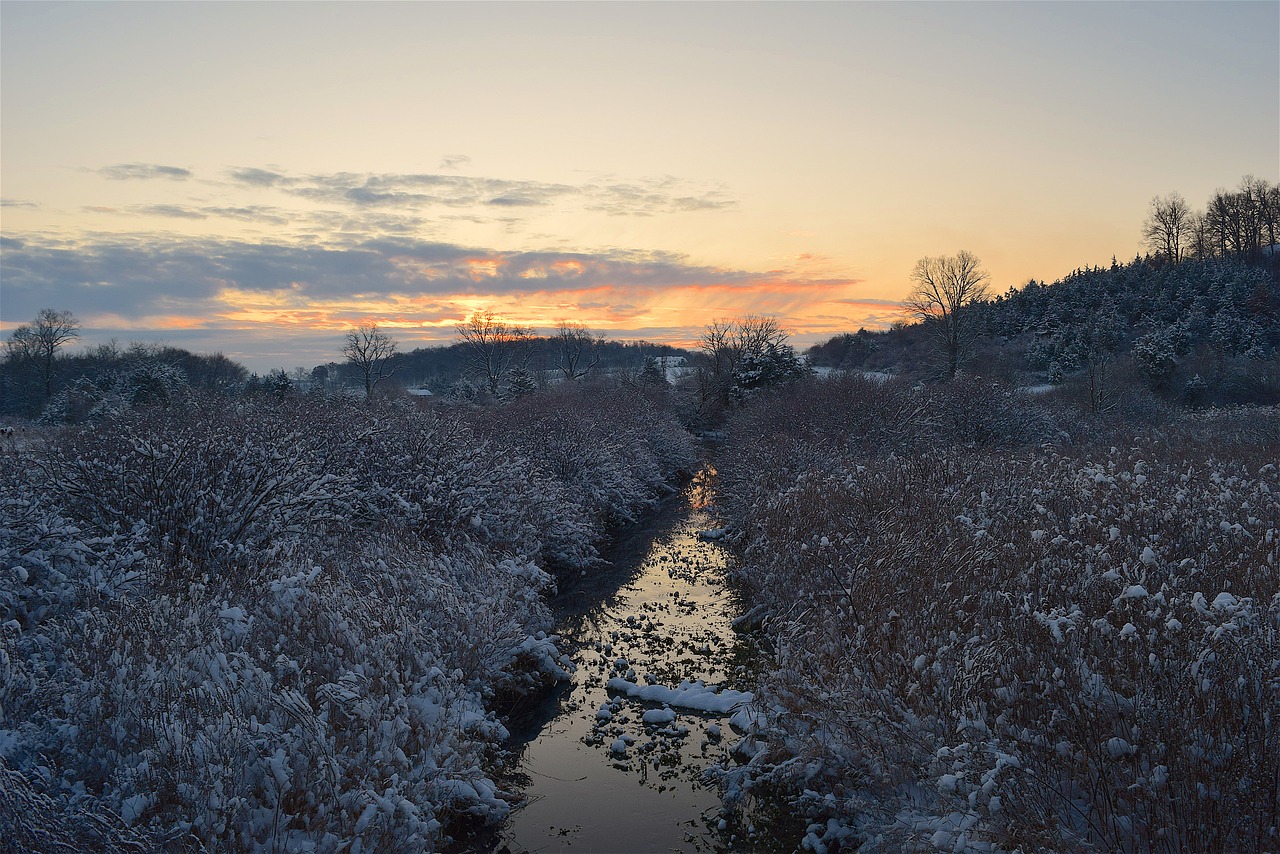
point(641, 169)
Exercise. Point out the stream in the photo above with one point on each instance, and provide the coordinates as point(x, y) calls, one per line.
point(609, 766)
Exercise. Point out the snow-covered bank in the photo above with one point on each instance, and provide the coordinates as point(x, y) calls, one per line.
point(260, 625)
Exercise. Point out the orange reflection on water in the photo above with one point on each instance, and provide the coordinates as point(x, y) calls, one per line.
point(702, 490)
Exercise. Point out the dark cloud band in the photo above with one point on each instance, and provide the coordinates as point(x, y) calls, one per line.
point(132, 276)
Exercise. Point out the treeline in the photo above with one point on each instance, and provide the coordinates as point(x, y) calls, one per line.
point(1001, 625)
point(1243, 224)
point(1196, 322)
point(448, 369)
point(47, 380)
point(254, 623)
point(1201, 332)
point(494, 362)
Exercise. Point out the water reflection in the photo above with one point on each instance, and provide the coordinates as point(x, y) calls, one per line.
point(702, 490)
point(612, 773)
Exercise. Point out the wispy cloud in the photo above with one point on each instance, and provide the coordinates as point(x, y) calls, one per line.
point(867, 301)
point(645, 197)
point(170, 211)
point(654, 196)
point(17, 203)
point(420, 190)
point(256, 177)
point(143, 171)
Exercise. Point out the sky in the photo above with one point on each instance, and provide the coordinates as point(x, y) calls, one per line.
point(257, 178)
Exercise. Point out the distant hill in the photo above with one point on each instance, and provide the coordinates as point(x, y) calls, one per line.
point(1204, 331)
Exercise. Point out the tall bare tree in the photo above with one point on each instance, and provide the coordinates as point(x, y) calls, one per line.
point(495, 346)
point(1169, 226)
point(368, 348)
point(577, 350)
point(37, 343)
point(944, 288)
point(1270, 213)
point(1200, 243)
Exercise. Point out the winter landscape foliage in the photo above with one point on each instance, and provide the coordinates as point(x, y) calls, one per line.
point(289, 624)
point(998, 633)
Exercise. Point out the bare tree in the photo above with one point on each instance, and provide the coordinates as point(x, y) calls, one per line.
point(577, 350)
point(1200, 243)
point(1100, 339)
point(1219, 220)
point(1270, 213)
point(1170, 226)
point(944, 289)
point(37, 343)
point(1253, 207)
point(369, 348)
point(495, 346)
point(725, 344)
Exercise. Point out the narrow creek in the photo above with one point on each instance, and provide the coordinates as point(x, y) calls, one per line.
point(608, 765)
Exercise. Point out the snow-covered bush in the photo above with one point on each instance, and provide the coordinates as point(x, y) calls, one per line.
point(1053, 649)
point(287, 624)
point(323, 702)
point(145, 383)
point(609, 450)
point(213, 486)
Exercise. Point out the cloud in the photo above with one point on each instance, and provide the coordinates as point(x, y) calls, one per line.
point(134, 171)
point(515, 201)
point(256, 177)
point(132, 275)
point(17, 203)
point(268, 304)
point(646, 197)
point(422, 190)
point(250, 213)
point(170, 211)
point(887, 303)
point(247, 213)
point(653, 196)
point(454, 161)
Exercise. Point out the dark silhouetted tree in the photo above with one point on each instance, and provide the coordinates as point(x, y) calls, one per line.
point(728, 345)
point(494, 347)
point(944, 289)
point(36, 344)
point(369, 348)
point(1170, 226)
point(576, 350)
